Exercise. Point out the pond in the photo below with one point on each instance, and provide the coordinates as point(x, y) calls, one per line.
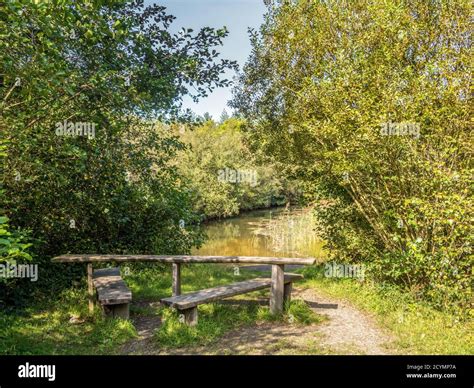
point(277, 232)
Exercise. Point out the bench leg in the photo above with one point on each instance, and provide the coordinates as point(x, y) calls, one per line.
point(90, 288)
point(287, 293)
point(117, 311)
point(176, 286)
point(276, 297)
point(190, 316)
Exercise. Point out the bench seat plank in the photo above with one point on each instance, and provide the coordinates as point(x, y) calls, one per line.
point(111, 289)
point(186, 301)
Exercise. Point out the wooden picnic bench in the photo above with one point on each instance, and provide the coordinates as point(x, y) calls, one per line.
point(113, 291)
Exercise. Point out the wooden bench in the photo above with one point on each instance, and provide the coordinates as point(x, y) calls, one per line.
point(112, 292)
point(186, 304)
point(277, 283)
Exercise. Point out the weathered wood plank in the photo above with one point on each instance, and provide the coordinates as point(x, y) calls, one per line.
point(276, 293)
point(176, 285)
point(90, 287)
point(193, 299)
point(111, 289)
point(184, 259)
point(117, 310)
point(103, 272)
point(190, 316)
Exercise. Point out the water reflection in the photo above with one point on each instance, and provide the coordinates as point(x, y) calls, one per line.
point(277, 232)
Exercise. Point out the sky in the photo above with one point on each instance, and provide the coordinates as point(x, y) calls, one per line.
point(237, 16)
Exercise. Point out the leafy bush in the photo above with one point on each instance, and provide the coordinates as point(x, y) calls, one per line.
point(324, 88)
point(13, 245)
point(115, 67)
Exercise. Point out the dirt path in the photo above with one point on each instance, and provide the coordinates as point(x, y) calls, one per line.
point(345, 331)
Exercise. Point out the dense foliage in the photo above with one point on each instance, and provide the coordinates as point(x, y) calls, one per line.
point(224, 176)
point(323, 81)
point(13, 243)
point(81, 83)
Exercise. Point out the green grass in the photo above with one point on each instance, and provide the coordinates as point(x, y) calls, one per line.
point(61, 328)
point(416, 327)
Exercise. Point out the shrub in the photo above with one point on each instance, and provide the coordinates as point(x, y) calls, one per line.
point(86, 170)
point(377, 97)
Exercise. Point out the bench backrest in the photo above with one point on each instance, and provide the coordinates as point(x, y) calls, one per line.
point(185, 259)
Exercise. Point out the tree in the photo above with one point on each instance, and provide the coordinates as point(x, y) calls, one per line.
point(224, 116)
point(86, 169)
point(370, 103)
point(224, 176)
point(207, 116)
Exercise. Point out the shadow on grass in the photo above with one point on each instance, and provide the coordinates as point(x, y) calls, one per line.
point(62, 328)
point(316, 305)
